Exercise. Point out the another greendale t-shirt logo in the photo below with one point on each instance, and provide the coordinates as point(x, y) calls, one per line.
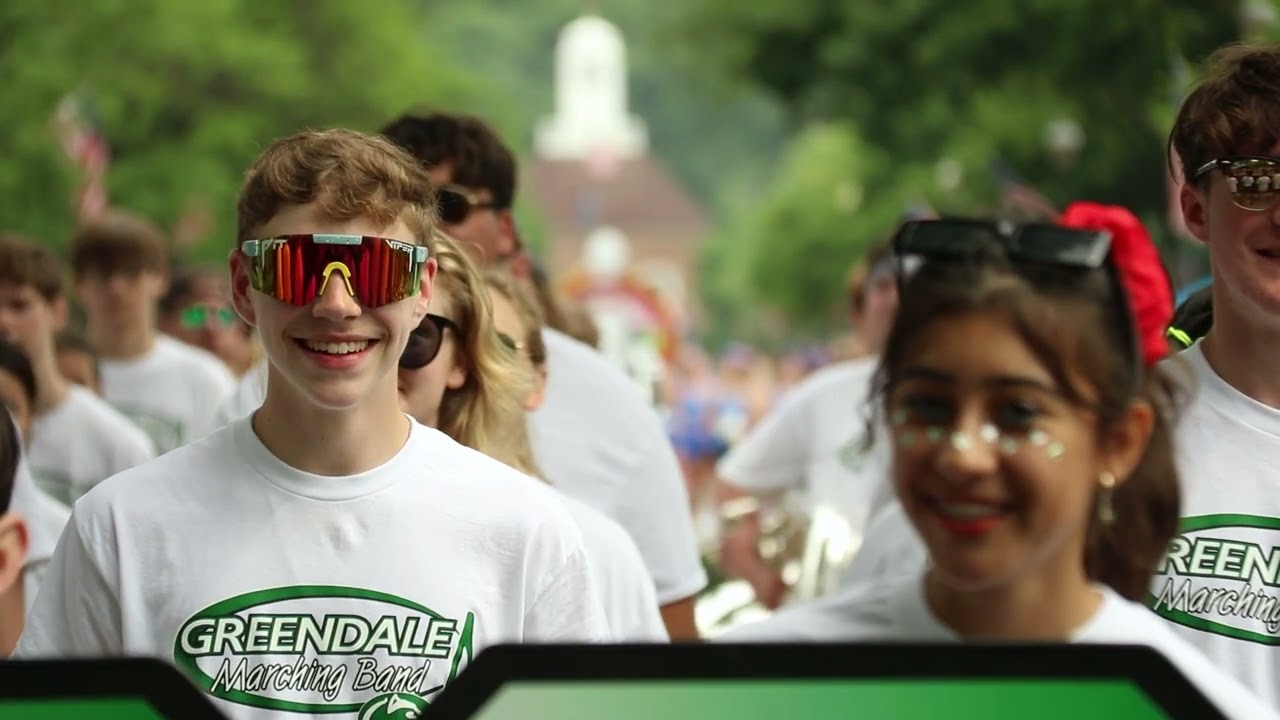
point(166, 433)
point(324, 649)
point(1221, 576)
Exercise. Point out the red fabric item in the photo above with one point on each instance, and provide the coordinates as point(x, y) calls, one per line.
point(1146, 281)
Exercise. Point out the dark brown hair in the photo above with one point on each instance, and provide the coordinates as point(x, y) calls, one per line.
point(118, 242)
point(479, 158)
point(856, 282)
point(24, 262)
point(10, 458)
point(1071, 321)
point(1233, 110)
point(347, 174)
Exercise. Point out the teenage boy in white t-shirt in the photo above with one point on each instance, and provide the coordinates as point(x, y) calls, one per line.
point(595, 433)
point(168, 388)
point(327, 551)
point(76, 439)
point(1219, 586)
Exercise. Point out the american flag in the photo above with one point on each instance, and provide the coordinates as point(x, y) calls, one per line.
point(86, 147)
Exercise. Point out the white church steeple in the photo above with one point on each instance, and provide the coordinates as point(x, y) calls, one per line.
point(591, 117)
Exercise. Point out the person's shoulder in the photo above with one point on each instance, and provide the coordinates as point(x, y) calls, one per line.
point(108, 426)
point(589, 370)
point(601, 532)
point(199, 361)
point(1131, 623)
point(161, 477)
point(490, 487)
point(850, 613)
point(843, 373)
point(1127, 622)
point(840, 383)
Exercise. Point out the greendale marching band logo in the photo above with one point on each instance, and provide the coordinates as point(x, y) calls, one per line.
point(324, 649)
point(393, 706)
point(1222, 575)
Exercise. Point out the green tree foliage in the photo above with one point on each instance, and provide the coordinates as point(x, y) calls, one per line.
point(719, 135)
point(832, 197)
point(927, 84)
point(710, 128)
point(188, 93)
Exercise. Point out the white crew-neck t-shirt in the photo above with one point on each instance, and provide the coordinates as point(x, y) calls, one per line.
point(603, 443)
point(275, 588)
point(1219, 587)
point(172, 393)
point(82, 442)
point(626, 591)
point(897, 610)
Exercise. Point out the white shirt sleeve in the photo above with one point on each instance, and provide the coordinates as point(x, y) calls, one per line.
point(635, 616)
point(131, 449)
point(567, 608)
point(657, 515)
point(77, 613)
point(774, 455)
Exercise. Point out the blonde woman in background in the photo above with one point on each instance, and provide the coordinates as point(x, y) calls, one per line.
point(458, 374)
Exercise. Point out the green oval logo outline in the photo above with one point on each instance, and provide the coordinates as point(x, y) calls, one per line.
point(1197, 524)
point(256, 598)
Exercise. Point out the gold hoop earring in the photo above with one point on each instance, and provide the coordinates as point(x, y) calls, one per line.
point(1106, 511)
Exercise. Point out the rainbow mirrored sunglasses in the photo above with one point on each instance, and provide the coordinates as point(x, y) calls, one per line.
point(295, 269)
point(1254, 182)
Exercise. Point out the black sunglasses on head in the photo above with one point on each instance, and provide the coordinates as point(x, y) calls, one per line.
point(1037, 243)
point(456, 203)
point(425, 341)
point(1032, 249)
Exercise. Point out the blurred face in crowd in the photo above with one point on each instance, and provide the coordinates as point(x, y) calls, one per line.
point(468, 216)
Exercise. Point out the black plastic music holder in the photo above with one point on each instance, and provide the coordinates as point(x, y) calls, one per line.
point(815, 682)
point(117, 688)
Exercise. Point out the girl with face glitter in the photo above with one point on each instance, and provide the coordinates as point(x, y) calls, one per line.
point(1029, 443)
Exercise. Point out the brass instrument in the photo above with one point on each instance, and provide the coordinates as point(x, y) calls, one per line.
point(809, 548)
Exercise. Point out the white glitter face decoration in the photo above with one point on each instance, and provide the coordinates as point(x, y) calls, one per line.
point(910, 434)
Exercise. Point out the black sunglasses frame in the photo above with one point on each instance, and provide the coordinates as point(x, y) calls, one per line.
point(454, 204)
point(430, 331)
